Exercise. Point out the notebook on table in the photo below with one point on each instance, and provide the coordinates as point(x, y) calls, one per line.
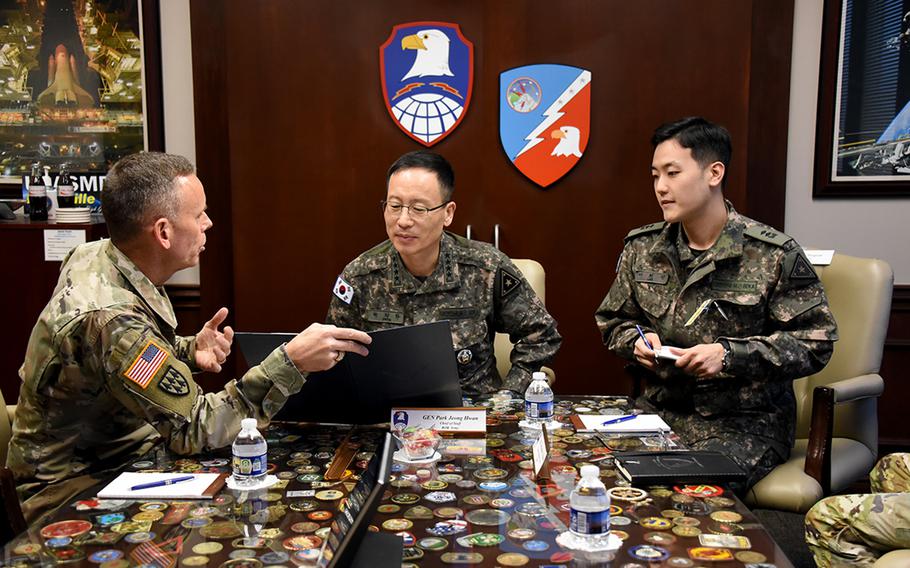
point(200, 486)
point(680, 466)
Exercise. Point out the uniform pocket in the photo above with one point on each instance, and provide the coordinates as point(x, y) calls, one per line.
point(654, 299)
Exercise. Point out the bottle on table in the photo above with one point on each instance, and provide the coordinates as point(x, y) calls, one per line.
point(589, 513)
point(66, 196)
point(37, 195)
point(539, 399)
point(250, 453)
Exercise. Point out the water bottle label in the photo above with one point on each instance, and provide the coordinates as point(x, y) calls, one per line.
point(252, 466)
point(542, 410)
point(589, 523)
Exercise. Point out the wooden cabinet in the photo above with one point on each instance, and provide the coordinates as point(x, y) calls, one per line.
point(26, 283)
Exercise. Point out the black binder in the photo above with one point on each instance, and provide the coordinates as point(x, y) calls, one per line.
point(661, 468)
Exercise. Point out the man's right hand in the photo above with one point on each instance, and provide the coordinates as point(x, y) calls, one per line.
point(320, 347)
point(645, 356)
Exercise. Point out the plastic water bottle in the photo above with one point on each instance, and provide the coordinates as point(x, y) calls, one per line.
point(250, 453)
point(589, 513)
point(539, 399)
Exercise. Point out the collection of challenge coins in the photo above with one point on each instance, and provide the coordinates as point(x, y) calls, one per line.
point(284, 525)
point(453, 510)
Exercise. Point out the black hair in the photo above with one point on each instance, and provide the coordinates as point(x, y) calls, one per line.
point(429, 161)
point(708, 142)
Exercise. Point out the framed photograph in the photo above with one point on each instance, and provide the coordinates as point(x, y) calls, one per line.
point(862, 142)
point(80, 85)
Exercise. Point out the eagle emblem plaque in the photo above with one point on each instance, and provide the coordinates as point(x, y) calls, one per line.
point(427, 71)
point(544, 119)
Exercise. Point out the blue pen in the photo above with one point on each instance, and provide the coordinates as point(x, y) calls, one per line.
point(643, 338)
point(161, 483)
point(618, 420)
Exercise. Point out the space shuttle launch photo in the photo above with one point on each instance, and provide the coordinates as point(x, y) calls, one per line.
point(63, 88)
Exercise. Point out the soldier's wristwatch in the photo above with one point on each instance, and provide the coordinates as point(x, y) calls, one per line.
point(728, 356)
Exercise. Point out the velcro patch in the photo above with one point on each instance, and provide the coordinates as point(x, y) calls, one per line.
point(802, 270)
point(343, 290)
point(651, 277)
point(174, 383)
point(508, 282)
point(734, 285)
point(645, 229)
point(458, 313)
point(146, 364)
point(384, 316)
point(768, 235)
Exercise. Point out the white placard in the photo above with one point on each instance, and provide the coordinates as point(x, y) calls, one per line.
point(58, 242)
point(539, 451)
point(465, 420)
point(820, 257)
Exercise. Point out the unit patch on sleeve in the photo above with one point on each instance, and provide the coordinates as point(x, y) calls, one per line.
point(508, 282)
point(146, 364)
point(174, 383)
point(343, 290)
point(802, 270)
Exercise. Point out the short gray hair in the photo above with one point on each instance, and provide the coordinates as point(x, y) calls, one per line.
point(139, 187)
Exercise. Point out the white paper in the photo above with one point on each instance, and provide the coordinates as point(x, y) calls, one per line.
point(119, 488)
point(641, 423)
point(58, 242)
point(539, 453)
point(820, 257)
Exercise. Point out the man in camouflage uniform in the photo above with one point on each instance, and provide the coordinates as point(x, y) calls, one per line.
point(105, 375)
point(424, 274)
point(738, 300)
point(855, 530)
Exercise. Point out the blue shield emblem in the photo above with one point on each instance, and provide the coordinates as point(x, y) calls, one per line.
point(544, 119)
point(427, 71)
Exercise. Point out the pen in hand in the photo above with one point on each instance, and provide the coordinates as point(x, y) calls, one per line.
point(645, 339)
point(618, 420)
point(161, 483)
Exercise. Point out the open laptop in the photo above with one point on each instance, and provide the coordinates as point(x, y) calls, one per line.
point(407, 366)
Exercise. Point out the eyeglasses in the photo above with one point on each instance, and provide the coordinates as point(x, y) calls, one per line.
point(394, 209)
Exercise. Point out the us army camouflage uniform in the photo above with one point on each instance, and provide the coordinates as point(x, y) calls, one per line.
point(855, 530)
point(475, 287)
point(764, 300)
point(80, 415)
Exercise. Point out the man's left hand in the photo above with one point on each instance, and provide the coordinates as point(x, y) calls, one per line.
point(213, 346)
point(704, 360)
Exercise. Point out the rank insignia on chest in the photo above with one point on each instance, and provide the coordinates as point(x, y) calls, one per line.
point(343, 290)
point(173, 383)
point(464, 356)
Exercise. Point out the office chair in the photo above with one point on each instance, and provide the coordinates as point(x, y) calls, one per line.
point(502, 347)
point(836, 409)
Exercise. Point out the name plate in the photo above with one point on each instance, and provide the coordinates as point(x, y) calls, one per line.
point(463, 421)
point(540, 455)
point(819, 257)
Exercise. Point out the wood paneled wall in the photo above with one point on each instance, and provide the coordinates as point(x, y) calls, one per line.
point(293, 141)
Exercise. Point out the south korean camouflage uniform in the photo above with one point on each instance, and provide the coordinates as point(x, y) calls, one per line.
point(754, 289)
point(475, 287)
point(855, 530)
point(105, 378)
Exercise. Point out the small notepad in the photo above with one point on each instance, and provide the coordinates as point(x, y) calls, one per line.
point(202, 486)
point(642, 423)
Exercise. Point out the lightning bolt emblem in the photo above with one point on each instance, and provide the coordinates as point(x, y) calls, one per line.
point(554, 111)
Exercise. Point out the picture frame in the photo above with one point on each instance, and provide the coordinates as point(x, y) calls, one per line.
point(55, 152)
point(862, 146)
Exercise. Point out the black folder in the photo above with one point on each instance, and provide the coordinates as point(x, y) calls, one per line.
point(407, 367)
point(661, 468)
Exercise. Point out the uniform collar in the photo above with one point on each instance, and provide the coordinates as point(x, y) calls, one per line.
point(728, 245)
point(444, 276)
point(156, 298)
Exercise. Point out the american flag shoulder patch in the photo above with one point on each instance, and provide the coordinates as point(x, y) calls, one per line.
point(144, 367)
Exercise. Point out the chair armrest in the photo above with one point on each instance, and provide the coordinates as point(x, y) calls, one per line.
point(821, 427)
point(856, 388)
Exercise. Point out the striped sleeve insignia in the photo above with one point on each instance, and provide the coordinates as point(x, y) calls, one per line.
point(146, 364)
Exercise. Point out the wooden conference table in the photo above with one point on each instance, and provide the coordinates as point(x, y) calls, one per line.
point(478, 510)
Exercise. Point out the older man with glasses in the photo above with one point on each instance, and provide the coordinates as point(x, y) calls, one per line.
point(423, 274)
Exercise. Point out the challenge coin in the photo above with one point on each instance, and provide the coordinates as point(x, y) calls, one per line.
point(329, 495)
point(512, 559)
point(66, 528)
point(397, 524)
point(208, 548)
point(195, 560)
point(433, 543)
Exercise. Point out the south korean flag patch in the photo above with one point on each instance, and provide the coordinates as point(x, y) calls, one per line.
point(343, 290)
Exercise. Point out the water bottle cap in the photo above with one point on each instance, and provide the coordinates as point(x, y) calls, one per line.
point(539, 376)
point(590, 471)
point(248, 424)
